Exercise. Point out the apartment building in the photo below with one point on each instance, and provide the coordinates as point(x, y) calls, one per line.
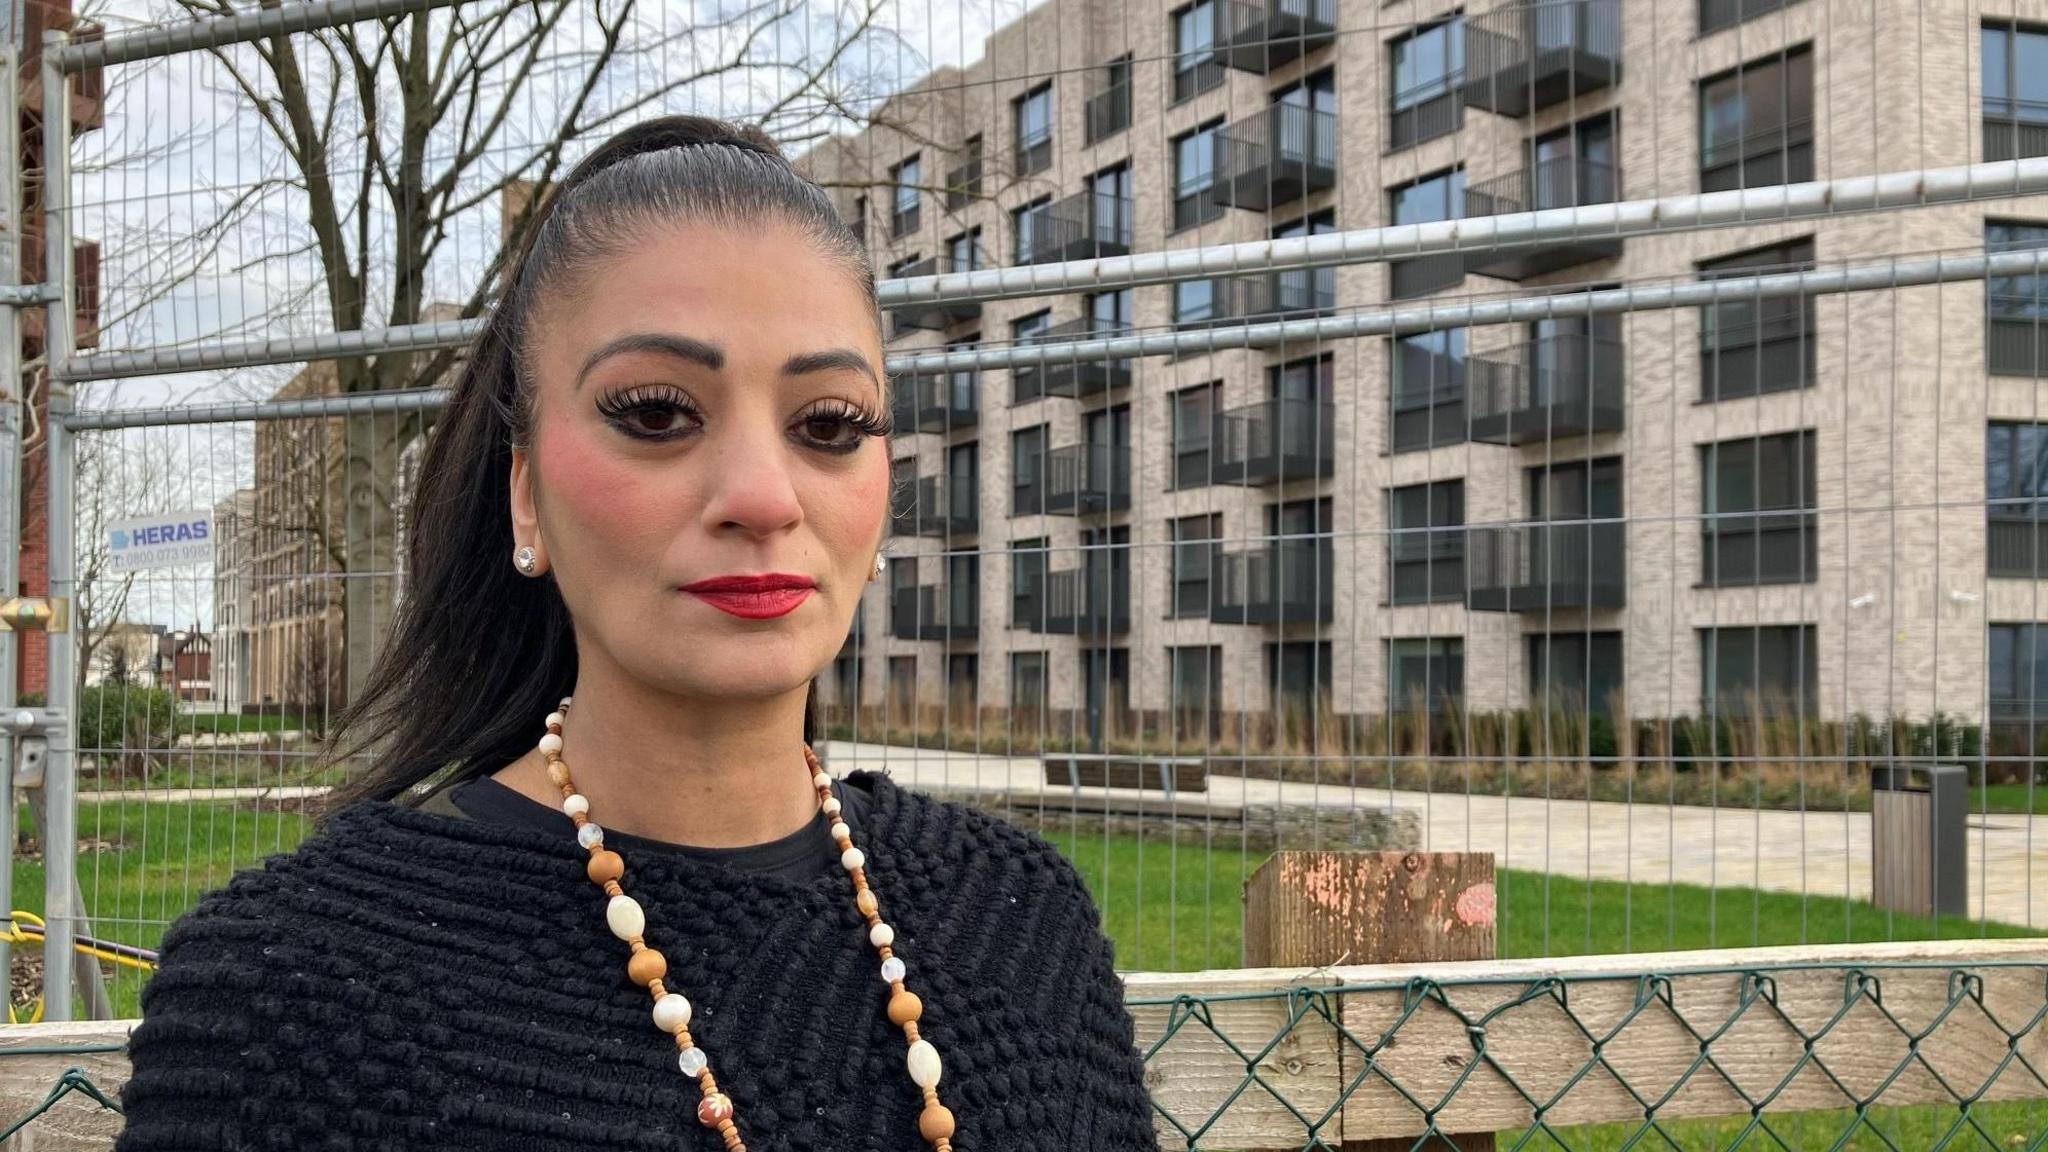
point(1830, 503)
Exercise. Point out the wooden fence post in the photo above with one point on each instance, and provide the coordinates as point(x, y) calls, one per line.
point(1308, 909)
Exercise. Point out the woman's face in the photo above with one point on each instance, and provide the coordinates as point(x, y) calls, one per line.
point(705, 407)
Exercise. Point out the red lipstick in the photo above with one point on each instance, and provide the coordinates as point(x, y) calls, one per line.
point(761, 597)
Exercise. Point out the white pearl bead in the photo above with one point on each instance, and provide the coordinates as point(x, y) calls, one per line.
point(892, 969)
point(565, 701)
point(625, 917)
point(881, 935)
point(821, 781)
point(554, 720)
point(924, 1064)
point(549, 742)
point(576, 805)
point(831, 805)
point(840, 831)
point(852, 859)
point(691, 1060)
point(590, 835)
point(672, 1013)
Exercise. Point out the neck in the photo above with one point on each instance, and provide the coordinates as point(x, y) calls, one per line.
point(712, 774)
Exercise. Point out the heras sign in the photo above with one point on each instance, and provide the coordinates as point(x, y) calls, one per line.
point(166, 541)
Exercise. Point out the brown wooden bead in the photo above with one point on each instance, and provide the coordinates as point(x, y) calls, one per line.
point(905, 1007)
point(605, 867)
point(646, 966)
point(935, 1123)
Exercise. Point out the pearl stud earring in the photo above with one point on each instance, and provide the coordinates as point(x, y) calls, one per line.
point(527, 560)
point(881, 565)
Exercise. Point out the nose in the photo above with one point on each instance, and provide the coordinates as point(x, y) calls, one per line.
point(752, 488)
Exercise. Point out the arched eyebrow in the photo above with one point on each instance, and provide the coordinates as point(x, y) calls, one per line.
point(712, 357)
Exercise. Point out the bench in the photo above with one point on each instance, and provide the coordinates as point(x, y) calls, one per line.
point(1168, 774)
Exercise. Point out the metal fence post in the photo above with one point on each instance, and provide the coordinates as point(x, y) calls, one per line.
point(10, 461)
point(60, 833)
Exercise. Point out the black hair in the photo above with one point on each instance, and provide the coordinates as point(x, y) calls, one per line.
point(478, 651)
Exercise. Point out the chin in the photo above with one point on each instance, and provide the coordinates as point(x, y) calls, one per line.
point(738, 668)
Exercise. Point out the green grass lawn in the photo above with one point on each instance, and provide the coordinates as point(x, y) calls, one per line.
point(2010, 799)
point(186, 722)
point(1167, 908)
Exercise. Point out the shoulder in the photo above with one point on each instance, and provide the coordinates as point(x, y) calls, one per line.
point(958, 832)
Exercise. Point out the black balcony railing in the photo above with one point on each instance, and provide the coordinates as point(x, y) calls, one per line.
point(1092, 600)
point(1080, 227)
point(1079, 379)
point(2015, 128)
point(2016, 540)
point(1276, 156)
point(1426, 111)
point(1281, 582)
point(1536, 567)
point(1562, 182)
point(1524, 57)
point(1426, 565)
point(935, 612)
point(1236, 299)
point(1273, 442)
point(1108, 112)
point(1564, 385)
point(1261, 36)
point(1429, 399)
point(1083, 479)
point(937, 402)
point(933, 315)
point(963, 185)
point(946, 506)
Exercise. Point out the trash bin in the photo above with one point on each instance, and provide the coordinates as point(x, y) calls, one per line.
point(1918, 854)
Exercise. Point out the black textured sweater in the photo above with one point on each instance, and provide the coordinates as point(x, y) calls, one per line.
point(411, 980)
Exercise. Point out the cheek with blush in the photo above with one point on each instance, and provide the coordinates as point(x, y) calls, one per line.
point(601, 509)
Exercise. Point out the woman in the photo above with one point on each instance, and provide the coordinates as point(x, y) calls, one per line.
point(645, 919)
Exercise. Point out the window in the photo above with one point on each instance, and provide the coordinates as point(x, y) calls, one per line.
point(1428, 390)
point(1424, 674)
point(1194, 418)
point(1026, 224)
point(963, 184)
point(897, 267)
point(1194, 301)
point(964, 384)
point(2018, 673)
point(1718, 14)
point(1579, 672)
point(2016, 494)
point(963, 491)
point(1027, 582)
point(860, 218)
point(1305, 289)
point(962, 589)
point(1578, 490)
point(903, 207)
point(2015, 91)
point(1750, 347)
point(903, 688)
point(1028, 689)
point(1756, 123)
point(1193, 550)
point(1111, 207)
point(1432, 198)
point(963, 252)
point(1197, 688)
point(1758, 498)
point(1027, 466)
point(1426, 542)
point(903, 496)
point(1028, 383)
point(1109, 109)
point(1573, 166)
point(2015, 306)
point(1769, 671)
point(1111, 313)
point(1196, 68)
point(963, 679)
point(1195, 161)
point(1427, 66)
point(1033, 119)
point(1299, 672)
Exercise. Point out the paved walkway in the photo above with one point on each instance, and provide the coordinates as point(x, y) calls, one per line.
point(1820, 854)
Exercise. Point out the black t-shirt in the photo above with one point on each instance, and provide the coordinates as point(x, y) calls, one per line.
point(799, 856)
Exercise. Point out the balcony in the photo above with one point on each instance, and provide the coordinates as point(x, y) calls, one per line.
point(1276, 156)
point(1527, 57)
point(945, 506)
point(938, 402)
point(1085, 479)
point(1092, 600)
point(1107, 113)
point(934, 315)
point(1259, 37)
point(1275, 295)
point(1537, 567)
point(1284, 582)
point(934, 612)
point(1274, 442)
point(2016, 540)
point(1078, 379)
point(1080, 227)
point(1564, 182)
point(963, 185)
point(1546, 389)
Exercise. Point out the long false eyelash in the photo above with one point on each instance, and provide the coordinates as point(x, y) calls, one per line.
point(622, 403)
point(867, 421)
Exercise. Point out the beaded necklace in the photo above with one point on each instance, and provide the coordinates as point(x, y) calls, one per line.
point(647, 967)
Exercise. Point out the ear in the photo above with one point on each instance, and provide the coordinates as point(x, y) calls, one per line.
point(525, 514)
